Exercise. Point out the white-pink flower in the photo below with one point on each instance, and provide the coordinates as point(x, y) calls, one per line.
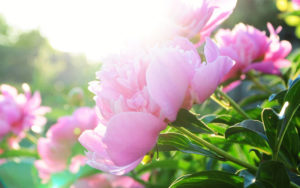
point(19, 112)
point(139, 92)
point(198, 18)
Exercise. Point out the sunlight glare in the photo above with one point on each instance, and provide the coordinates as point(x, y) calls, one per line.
point(93, 27)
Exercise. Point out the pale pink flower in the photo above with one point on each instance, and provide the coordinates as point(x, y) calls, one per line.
point(296, 4)
point(253, 49)
point(19, 112)
point(140, 92)
point(56, 149)
point(198, 18)
point(107, 181)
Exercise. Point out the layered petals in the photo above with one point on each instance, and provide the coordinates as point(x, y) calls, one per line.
point(138, 95)
point(198, 19)
point(130, 135)
point(166, 89)
point(56, 149)
point(97, 156)
point(19, 112)
point(252, 49)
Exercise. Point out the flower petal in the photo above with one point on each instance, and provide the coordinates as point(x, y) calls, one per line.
point(130, 135)
point(167, 81)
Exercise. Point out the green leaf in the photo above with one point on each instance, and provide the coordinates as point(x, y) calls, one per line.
point(290, 145)
point(271, 123)
point(249, 132)
point(164, 164)
point(293, 100)
point(209, 179)
point(278, 96)
point(176, 141)
point(188, 120)
point(273, 173)
point(247, 125)
point(253, 99)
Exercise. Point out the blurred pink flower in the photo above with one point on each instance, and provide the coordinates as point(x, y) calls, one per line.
point(19, 112)
point(108, 181)
point(198, 18)
point(296, 4)
point(56, 149)
point(252, 49)
point(140, 92)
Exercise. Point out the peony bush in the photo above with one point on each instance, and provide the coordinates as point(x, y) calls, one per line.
point(163, 112)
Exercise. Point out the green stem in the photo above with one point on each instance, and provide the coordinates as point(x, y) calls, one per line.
point(294, 185)
point(19, 153)
point(146, 184)
point(213, 97)
point(258, 84)
point(233, 104)
point(31, 138)
point(216, 149)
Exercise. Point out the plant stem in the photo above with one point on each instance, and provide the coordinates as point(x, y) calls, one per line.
point(146, 184)
point(213, 97)
point(31, 138)
point(258, 84)
point(233, 103)
point(294, 185)
point(216, 149)
point(19, 153)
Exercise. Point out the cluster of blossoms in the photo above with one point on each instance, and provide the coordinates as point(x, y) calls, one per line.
point(141, 90)
point(56, 149)
point(139, 95)
point(19, 112)
point(57, 152)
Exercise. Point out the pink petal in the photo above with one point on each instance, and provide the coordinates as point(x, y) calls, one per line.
point(167, 81)
point(208, 77)
point(97, 156)
point(211, 50)
point(130, 135)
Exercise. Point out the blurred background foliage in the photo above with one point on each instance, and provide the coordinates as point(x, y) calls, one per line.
point(28, 57)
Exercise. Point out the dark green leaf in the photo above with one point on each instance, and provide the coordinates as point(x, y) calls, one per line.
point(271, 123)
point(273, 173)
point(208, 179)
point(249, 132)
point(164, 164)
point(292, 100)
point(290, 145)
point(247, 125)
point(278, 96)
point(189, 121)
point(253, 99)
point(176, 141)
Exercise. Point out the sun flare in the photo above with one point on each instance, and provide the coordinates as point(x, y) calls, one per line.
point(95, 28)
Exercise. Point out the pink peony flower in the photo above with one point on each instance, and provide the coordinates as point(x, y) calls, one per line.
point(56, 149)
point(140, 92)
point(19, 112)
point(252, 49)
point(198, 18)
